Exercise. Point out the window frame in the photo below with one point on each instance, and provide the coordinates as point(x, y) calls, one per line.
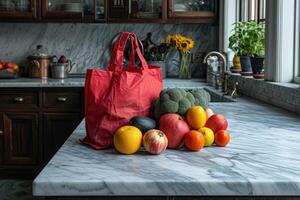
point(254, 10)
point(297, 44)
point(280, 41)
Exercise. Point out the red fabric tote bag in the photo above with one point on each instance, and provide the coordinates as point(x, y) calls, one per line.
point(115, 95)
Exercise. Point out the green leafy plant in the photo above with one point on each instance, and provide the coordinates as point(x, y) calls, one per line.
point(248, 39)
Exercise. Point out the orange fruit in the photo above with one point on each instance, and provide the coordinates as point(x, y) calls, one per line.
point(128, 139)
point(16, 67)
point(196, 117)
point(222, 138)
point(194, 140)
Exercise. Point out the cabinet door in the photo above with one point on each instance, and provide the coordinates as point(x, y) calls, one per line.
point(20, 138)
point(146, 10)
point(118, 9)
point(1, 139)
point(196, 9)
point(68, 9)
point(57, 128)
point(100, 10)
point(21, 9)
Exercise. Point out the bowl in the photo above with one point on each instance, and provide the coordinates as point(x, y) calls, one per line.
point(7, 74)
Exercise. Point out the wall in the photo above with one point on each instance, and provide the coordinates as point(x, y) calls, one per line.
point(88, 45)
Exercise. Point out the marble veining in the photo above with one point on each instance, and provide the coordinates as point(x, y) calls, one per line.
point(89, 45)
point(262, 159)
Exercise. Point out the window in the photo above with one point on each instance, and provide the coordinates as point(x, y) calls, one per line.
point(297, 43)
point(282, 18)
point(252, 10)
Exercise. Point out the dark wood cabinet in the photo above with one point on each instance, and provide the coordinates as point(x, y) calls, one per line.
point(34, 123)
point(20, 10)
point(63, 99)
point(193, 10)
point(54, 9)
point(112, 11)
point(118, 9)
point(57, 129)
point(19, 99)
point(1, 139)
point(21, 139)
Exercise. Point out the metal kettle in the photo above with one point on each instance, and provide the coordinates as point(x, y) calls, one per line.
point(61, 70)
point(39, 63)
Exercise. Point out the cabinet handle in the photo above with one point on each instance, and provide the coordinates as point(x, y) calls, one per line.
point(18, 99)
point(1, 132)
point(61, 99)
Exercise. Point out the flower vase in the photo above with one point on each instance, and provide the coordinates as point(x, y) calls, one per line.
point(184, 68)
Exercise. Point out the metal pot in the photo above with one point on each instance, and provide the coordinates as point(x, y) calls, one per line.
point(61, 70)
point(39, 64)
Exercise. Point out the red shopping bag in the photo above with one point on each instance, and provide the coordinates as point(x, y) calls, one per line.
point(115, 95)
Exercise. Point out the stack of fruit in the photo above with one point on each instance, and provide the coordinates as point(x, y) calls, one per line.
point(197, 129)
point(8, 69)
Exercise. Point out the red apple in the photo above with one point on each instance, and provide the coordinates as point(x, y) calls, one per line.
point(216, 123)
point(175, 128)
point(62, 59)
point(8, 65)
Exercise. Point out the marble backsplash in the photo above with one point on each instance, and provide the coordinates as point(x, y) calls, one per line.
point(89, 45)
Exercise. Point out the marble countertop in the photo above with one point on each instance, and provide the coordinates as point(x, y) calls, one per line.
point(79, 82)
point(262, 159)
point(37, 82)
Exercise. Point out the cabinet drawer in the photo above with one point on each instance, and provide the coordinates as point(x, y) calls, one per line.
point(18, 99)
point(62, 100)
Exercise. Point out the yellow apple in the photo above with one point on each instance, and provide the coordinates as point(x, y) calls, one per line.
point(209, 136)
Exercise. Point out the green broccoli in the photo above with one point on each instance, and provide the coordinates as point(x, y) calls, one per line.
point(178, 100)
point(175, 95)
point(191, 98)
point(184, 105)
point(168, 106)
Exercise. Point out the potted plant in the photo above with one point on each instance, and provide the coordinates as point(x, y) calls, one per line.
point(258, 50)
point(240, 43)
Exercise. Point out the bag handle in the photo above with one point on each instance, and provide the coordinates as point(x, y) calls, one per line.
point(116, 61)
point(117, 46)
point(138, 51)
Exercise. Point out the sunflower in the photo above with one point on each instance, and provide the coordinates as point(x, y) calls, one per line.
point(180, 42)
point(190, 43)
point(177, 44)
point(169, 39)
point(184, 47)
point(178, 38)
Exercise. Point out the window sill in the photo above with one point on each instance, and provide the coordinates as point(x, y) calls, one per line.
point(287, 85)
point(284, 95)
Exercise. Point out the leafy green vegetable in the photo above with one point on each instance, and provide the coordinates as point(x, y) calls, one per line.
point(178, 100)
